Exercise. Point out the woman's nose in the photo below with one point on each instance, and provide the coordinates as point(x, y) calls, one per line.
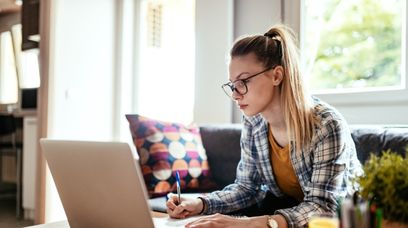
point(235, 95)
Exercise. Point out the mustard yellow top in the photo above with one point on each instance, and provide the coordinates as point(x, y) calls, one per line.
point(283, 170)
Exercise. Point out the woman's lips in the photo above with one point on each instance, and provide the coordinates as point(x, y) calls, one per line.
point(242, 106)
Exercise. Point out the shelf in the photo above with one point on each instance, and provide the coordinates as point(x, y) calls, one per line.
point(9, 15)
point(7, 8)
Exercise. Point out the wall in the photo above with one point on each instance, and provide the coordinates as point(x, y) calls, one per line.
point(83, 70)
point(80, 101)
point(255, 17)
point(214, 35)
point(384, 114)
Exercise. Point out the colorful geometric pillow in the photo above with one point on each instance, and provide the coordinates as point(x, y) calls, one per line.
point(163, 149)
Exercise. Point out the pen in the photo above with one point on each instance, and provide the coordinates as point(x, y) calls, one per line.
point(178, 186)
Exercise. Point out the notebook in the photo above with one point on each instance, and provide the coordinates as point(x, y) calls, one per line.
point(100, 185)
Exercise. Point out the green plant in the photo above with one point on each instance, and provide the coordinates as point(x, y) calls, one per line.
point(386, 178)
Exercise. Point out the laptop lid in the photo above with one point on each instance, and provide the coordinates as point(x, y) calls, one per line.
point(99, 183)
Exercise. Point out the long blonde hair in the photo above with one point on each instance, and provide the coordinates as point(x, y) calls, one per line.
point(279, 47)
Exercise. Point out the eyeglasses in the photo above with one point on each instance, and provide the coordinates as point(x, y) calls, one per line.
point(240, 85)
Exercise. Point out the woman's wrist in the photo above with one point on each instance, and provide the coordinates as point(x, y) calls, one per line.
point(202, 205)
point(258, 221)
point(262, 221)
point(281, 220)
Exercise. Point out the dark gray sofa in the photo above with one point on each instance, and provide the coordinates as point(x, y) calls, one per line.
point(223, 150)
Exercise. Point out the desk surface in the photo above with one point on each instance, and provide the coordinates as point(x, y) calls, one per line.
point(64, 224)
point(60, 224)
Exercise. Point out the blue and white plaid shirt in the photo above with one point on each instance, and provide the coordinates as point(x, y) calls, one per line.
point(324, 170)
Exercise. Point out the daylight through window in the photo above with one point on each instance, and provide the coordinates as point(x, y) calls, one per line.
point(353, 45)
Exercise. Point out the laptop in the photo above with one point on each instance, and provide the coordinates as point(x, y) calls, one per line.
point(100, 185)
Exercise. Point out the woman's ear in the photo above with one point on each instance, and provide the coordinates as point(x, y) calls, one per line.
point(277, 75)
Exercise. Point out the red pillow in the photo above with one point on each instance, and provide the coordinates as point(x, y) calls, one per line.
point(165, 148)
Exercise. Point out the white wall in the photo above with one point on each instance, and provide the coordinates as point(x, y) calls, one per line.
point(255, 17)
point(82, 85)
point(81, 90)
point(214, 35)
point(382, 114)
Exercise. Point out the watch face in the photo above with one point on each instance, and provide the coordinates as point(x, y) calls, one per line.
point(272, 223)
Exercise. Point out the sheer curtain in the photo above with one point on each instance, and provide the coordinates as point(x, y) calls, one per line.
point(165, 88)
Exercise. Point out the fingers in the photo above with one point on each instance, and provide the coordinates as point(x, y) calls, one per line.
point(179, 213)
point(174, 210)
point(187, 207)
point(171, 203)
point(173, 198)
point(180, 208)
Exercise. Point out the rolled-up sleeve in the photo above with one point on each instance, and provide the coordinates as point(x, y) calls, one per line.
point(246, 190)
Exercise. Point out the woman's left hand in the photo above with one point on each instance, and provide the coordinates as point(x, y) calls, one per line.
point(220, 220)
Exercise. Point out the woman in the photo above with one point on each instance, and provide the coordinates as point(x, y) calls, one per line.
point(297, 154)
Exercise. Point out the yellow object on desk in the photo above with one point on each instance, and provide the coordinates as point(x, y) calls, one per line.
point(323, 222)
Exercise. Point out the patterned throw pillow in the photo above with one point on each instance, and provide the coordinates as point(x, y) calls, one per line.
point(165, 148)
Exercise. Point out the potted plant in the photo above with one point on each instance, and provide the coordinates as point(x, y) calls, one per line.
point(386, 179)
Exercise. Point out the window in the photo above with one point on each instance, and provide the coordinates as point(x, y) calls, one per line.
point(8, 70)
point(166, 50)
point(354, 46)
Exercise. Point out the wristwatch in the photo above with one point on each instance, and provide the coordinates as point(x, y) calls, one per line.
point(272, 223)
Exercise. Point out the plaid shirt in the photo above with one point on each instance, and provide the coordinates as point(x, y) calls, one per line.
point(324, 170)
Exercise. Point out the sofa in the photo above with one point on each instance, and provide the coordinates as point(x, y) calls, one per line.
point(222, 144)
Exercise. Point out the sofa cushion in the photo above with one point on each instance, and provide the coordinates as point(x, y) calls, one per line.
point(374, 139)
point(164, 148)
point(222, 143)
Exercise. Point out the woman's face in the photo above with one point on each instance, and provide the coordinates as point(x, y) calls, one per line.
point(262, 91)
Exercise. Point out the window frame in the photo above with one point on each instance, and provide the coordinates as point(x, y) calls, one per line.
point(293, 15)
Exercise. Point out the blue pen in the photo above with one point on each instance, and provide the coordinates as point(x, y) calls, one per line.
point(178, 186)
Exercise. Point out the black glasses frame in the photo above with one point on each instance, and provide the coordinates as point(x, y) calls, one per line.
point(244, 81)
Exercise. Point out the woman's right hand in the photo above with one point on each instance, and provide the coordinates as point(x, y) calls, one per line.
point(187, 207)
